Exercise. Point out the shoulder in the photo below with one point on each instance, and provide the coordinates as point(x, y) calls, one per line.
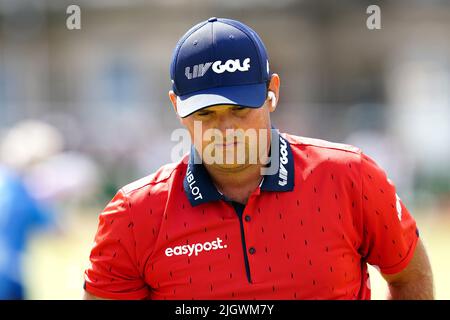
point(351, 160)
point(141, 204)
point(158, 183)
point(320, 144)
point(319, 150)
point(152, 191)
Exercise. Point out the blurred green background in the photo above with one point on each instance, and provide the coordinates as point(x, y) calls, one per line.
point(84, 112)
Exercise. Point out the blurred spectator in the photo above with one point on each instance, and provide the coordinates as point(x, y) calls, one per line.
point(35, 150)
point(36, 179)
point(26, 144)
point(19, 214)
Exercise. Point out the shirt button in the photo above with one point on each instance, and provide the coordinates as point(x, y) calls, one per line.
point(248, 218)
point(252, 250)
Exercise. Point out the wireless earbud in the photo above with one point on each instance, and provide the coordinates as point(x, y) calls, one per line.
point(272, 97)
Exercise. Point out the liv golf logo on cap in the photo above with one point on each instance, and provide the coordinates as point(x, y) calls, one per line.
point(199, 70)
point(217, 62)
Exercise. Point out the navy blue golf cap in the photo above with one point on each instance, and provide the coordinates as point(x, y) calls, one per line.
point(219, 61)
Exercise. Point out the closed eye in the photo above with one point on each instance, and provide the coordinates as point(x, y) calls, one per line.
point(203, 113)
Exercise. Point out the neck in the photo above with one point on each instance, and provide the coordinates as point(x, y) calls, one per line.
point(236, 184)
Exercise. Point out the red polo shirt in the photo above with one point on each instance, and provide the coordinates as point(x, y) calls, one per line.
point(307, 232)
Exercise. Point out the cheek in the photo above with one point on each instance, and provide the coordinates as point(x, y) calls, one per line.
point(188, 123)
point(258, 119)
point(197, 131)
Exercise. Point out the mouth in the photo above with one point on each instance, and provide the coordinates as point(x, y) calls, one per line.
point(227, 145)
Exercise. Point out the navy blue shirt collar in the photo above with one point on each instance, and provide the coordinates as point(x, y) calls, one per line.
point(279, 176)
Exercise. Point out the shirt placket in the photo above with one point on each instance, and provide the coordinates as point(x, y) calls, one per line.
point(249, 247)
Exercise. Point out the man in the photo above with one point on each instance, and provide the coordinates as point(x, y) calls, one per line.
point(300, 222)
point(20, 214)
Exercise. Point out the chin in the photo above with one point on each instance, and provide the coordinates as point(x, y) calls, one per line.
point(231, 167)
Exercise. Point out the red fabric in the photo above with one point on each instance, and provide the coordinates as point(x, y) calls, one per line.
point(391, 236)
point(311, 243)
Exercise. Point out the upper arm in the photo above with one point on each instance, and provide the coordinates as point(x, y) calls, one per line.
point(113, 271)
point(389, 232)
point(390, 240)
point(413, 282)
point(418, 268)
point(88, 296)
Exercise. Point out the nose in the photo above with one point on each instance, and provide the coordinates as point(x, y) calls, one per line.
point(225, 121)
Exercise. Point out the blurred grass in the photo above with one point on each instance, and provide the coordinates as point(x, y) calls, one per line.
point(54, 264)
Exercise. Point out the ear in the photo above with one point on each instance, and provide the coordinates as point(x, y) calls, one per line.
point(274, 86)
point(173, 100)
point(271, 96)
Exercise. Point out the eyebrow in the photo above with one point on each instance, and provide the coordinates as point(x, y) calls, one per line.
point(207, 109)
